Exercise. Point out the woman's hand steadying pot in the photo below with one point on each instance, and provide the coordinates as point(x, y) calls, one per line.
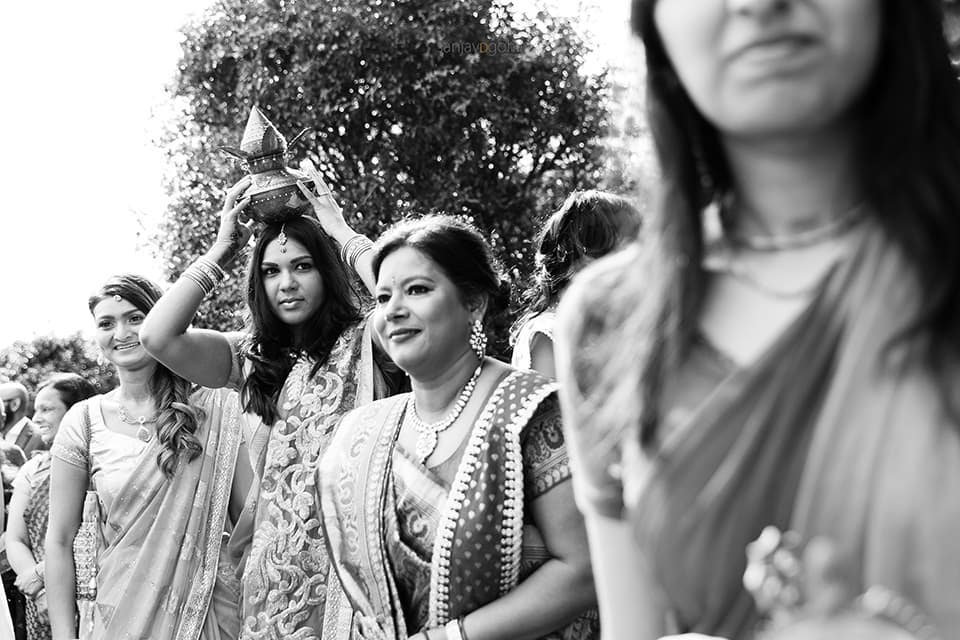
point(235, 226)
point(328, 213)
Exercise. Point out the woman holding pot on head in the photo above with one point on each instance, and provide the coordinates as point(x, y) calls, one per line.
point(307, 358)
point(166, 463)
point(29, 507)
point(448, 510)
point(783, 350)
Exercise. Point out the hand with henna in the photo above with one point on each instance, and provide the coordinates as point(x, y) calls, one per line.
point(235, 226)
point(325, 208)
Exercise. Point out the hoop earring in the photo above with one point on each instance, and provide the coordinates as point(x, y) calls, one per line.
point(478, 338)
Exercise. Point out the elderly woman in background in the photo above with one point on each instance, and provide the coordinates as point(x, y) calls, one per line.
point(784, 349)
point(29, 508)
point(589, 225)
point(449, 509)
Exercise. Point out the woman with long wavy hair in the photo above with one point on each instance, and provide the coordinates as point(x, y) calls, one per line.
point(306, 358)
point(589, 225)
point(165, 461)
point(783, 348)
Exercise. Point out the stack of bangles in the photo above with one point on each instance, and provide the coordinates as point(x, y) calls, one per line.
point(357, 245)
point(206, 274)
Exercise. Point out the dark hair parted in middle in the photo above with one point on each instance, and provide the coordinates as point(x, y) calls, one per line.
point(457, 248)
point(177, 419)
point(271, 347)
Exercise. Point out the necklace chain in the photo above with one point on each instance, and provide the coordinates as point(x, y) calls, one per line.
point(799, 239)
point(139, 421)
point(428, 433)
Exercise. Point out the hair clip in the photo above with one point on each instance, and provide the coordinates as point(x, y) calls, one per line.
point(117, 297)
point(282, 239)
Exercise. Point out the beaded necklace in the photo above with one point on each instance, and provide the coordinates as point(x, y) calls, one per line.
point(428, 434)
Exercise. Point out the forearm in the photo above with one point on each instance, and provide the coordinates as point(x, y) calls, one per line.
point(19, 555)
point(61, 590)
point(363, 265)
point(549, 599)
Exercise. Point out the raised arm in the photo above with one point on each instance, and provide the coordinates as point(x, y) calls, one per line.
point(330, 216)
point(202, 356)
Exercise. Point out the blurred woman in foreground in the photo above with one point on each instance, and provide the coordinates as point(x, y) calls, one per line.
point(784, 349)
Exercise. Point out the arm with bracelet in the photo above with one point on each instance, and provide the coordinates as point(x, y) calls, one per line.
point(355, 248)
point(202, 356)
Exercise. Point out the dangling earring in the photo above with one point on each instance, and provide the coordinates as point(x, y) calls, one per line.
point(100, 359)
point(478, 338)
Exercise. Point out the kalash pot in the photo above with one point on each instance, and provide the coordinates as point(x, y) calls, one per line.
point(274, 196)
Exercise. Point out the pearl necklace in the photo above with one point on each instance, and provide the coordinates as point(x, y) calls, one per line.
point(428, 434)
point(143, 433)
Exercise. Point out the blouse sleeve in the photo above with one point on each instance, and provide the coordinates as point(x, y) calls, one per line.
point(237, 362)
point(595, 457)
point(545, 460)
point(27, 476)
point(70, 443)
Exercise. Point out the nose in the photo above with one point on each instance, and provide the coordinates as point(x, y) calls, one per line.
point(287, 280)
point(759, 8)
point(394, 308)
point(121, 331)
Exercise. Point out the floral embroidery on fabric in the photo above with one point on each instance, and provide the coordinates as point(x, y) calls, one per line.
point(285, 577)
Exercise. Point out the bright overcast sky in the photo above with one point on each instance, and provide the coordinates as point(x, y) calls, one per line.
point(83, 81)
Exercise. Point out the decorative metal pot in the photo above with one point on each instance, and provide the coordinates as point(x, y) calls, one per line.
point(274, 194)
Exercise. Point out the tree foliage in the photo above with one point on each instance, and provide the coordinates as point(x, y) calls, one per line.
point(456, 106)
point(31, 362)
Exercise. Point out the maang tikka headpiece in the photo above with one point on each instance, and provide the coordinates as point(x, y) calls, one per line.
point(282, 238)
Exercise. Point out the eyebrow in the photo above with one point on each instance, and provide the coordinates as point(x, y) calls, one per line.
point(295, 259)
point(122, 315)
point(411, 279)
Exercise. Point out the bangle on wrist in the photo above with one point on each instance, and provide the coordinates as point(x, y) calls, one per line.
point(355, 246)
point(454, 630)
point(206, 274)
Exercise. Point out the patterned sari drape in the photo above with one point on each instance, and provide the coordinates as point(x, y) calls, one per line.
point(162, 537)
point(478, 547)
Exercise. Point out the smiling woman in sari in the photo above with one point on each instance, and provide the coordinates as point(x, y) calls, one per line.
point(448, 510)
point(167, 466)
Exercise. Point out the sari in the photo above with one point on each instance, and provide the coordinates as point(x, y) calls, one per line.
point(838, 430)
point(284, 574)
point(34, 478)
point(159, 573)
point(411, 553)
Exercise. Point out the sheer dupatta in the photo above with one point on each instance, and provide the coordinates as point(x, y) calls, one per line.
point(815, 436)
point(162, 536)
